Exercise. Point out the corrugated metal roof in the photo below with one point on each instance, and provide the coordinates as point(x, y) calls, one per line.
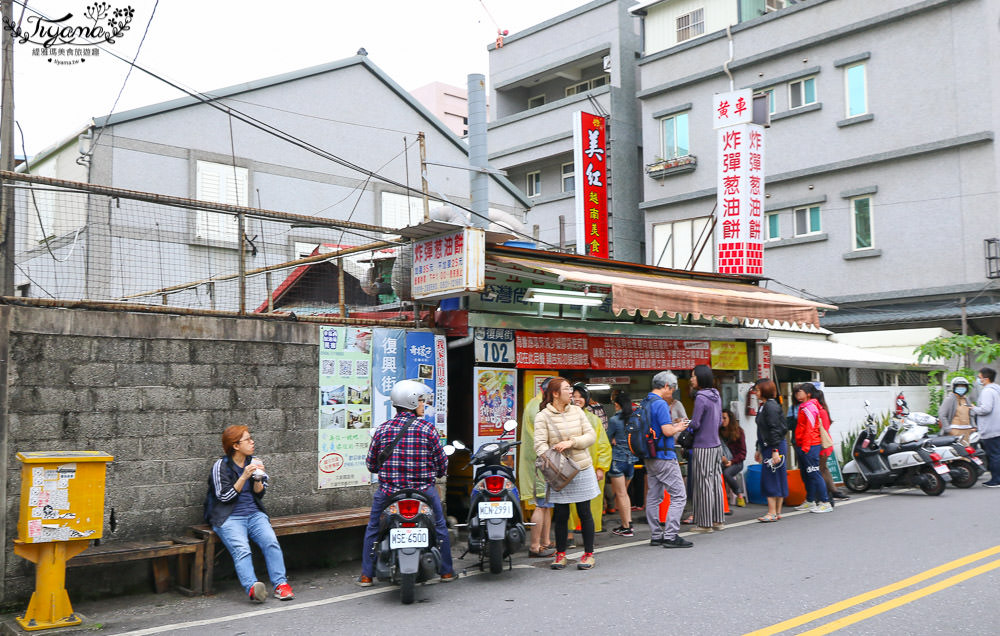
point(904, 314)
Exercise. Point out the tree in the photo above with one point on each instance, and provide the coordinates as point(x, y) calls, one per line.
point(959, 348)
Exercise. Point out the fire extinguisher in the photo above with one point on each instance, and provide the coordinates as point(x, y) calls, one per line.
point(751, 403)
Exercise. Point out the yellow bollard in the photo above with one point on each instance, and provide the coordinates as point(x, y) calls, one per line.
point(62, 509)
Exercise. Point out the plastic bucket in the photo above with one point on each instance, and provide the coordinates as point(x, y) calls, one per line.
point(752, 478)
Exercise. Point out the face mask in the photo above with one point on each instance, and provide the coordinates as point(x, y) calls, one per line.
point(979, 382)
point(961, 390)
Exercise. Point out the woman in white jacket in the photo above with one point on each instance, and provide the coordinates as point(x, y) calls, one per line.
point(562, 426)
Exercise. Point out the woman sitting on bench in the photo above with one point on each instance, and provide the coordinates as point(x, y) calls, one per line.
point(236, 513)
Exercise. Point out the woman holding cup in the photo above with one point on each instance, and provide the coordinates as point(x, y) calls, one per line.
point(235, 510)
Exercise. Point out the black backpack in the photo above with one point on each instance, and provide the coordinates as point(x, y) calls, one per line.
point(639, 434)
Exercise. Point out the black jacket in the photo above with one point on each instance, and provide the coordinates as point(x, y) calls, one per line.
point(221, 497)
point(771, 426)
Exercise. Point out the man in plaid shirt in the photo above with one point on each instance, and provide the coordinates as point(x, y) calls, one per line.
point(414, 463)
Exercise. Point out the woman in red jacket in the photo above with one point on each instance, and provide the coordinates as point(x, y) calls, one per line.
point(807, 439)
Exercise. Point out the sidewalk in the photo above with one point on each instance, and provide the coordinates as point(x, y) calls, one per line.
point(150, 613)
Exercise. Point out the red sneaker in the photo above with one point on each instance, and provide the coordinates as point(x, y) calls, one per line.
point(258, 592)
point(284, 592)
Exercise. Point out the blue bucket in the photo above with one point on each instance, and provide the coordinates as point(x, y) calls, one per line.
point(752, 479)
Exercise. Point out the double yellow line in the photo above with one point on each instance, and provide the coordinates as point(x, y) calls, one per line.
point(882, 591)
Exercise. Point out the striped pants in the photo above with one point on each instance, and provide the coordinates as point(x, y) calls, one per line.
point(706, 486)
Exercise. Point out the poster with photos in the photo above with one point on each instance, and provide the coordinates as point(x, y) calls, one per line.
point(345, 405)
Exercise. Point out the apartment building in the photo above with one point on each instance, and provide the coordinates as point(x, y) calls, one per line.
point(583, 60)
point(448, 103)
point(882, 168)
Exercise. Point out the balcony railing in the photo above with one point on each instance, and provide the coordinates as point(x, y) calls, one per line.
point(662, 168)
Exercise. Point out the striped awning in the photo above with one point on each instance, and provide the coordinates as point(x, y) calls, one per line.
point(634, 292)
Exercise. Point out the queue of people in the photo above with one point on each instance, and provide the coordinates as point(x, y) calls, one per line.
point(562, 418)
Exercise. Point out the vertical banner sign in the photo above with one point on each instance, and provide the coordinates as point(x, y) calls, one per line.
point(763, 360)
point(420, 365)
point(496, 400)
point(388, 368)
point(740, 185)
point(345, 412)
point(441, 385)
point(590, 176)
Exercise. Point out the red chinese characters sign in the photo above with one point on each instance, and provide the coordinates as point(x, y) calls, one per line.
point(591, 180)
point(551, 350)
point(739, 187)
point(646, 354)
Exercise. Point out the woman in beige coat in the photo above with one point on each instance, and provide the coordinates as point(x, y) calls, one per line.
point(562, 426)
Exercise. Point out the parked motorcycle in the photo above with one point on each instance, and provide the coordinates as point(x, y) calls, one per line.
point(407, 550)
point(496, 529)
point(880, 462)
point(963, 459)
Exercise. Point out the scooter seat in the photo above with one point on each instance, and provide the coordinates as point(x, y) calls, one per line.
point(943, 440)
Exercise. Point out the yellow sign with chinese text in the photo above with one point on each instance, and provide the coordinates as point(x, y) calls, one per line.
point(730, 356)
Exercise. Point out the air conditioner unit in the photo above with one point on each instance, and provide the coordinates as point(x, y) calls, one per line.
point(773, 5)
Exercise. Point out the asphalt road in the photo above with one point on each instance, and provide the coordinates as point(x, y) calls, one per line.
point(878, 564)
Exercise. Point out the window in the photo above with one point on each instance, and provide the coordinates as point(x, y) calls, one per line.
point(534, 184)
point(807, 221)
point(690, 25)
point(802, 92)
point(861, 223)
point(675, 137)
point(770, 98)
point(773, 227)
point(536, 101)
point(219, 183)
point(568, 182)
point(583, 87)
point(857, 90)
point(674, 243)
point(400, 210)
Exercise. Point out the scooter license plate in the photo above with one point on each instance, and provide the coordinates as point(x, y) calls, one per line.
point(977, 460)
point(408, 538)
point(496, 510)
point(941, 469)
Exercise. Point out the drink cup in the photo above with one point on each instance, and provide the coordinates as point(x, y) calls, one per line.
point(258, 474)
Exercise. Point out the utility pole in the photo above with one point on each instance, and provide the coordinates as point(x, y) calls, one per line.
point(423, 176)
point(7, 244)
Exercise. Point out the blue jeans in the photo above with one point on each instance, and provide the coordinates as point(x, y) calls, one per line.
point(235, 534)
point(379, 502)
point(992, 447)
point(811, 477)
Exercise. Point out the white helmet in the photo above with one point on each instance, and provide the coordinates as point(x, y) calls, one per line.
point(406, 394)
point(958, 380)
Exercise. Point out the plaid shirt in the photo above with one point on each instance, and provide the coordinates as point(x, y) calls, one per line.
point(417, 459)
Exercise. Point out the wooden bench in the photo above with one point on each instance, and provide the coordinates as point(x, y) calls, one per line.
point(190, 553)
point(291, 524)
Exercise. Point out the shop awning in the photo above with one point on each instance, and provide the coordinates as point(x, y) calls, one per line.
point(645, 294)
point(817, 351)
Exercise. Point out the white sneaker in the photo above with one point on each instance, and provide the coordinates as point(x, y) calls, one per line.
point(808, 505)
point(822, 507)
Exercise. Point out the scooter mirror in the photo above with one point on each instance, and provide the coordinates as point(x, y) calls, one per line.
point(867, 403)
point(458, 444)
point(509, 425)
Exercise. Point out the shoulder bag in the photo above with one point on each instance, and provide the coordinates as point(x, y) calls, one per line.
point(824, 437)
point(557, 469)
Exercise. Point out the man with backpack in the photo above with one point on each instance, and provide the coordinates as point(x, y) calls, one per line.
point(662, 470)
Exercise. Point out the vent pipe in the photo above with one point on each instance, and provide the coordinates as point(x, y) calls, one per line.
point(479, 184)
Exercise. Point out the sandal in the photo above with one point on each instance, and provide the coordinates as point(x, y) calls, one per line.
point(541, 553)
point(689, 521)
point(768, 518)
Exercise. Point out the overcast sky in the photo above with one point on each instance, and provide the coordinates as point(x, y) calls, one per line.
point(209, 44)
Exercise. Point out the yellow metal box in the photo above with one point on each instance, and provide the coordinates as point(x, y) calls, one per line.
point(62, 495)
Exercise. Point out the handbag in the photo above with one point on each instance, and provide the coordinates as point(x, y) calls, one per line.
point(557, 469)
point(685, 438)
point(824, 437)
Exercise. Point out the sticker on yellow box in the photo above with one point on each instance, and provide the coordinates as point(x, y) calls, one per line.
point(34, 528)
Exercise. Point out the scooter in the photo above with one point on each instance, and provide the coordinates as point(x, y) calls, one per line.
point(496, 529)
point(878, 463)
point(963, 460)
point(406, 545)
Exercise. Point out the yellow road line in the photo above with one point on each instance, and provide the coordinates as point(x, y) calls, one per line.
point(867, 596)
point(875, 610)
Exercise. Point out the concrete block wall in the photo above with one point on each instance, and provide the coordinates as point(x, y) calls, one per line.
point(156, 392)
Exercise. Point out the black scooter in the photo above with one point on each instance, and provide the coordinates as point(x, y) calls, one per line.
point(496, 528)
point(406, 546)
